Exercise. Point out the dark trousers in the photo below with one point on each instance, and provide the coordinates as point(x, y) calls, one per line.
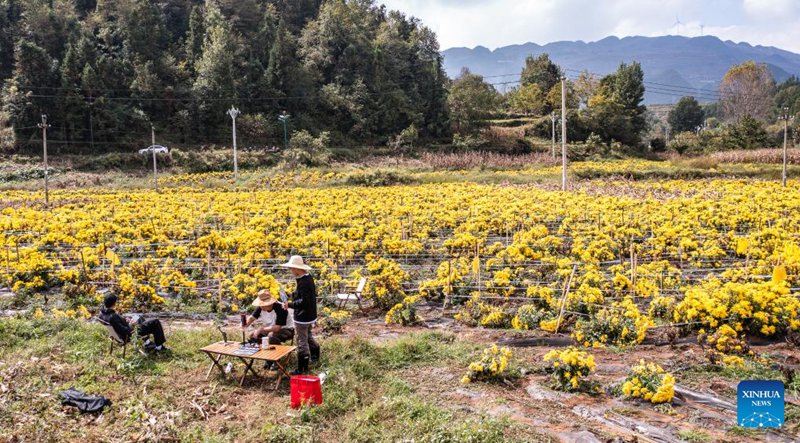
point(152, 327)
point(305, 339)
point(282, 336)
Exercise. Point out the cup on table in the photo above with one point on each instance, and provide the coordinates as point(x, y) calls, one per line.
point(264, 342)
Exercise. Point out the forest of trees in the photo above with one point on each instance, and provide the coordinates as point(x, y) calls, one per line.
point(104, 71)
point(605, 111)
point(348, 71)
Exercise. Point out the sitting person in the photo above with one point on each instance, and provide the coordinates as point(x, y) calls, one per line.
point(124, 327)
point(277, 321)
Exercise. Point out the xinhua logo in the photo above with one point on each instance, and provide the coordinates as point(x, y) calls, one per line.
point(760, 404)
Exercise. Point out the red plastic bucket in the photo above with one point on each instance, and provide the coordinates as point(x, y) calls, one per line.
point(305, 389)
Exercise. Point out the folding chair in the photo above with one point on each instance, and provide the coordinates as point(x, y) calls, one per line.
point(356, 295)
point(114, 338)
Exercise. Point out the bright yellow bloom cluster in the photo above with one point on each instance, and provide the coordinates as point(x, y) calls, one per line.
point(621, 324)
point(475, 312)
point(570, 366)
point(246, 285)
point(528, 317)
point(762, 308)
point(649, 382)
point(331, 321)
point(81, 313)
point(404, 313)
point(725, 347)
point(385, 279)
point(494, 363)
point(641, 240)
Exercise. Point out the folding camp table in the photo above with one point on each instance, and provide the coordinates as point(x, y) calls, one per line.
point(279, 355)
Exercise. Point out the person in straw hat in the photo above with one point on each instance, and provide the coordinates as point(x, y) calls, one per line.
point(277, 322)
point(304, 303)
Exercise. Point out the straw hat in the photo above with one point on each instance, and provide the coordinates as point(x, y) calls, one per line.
point(296, 262)
point(264, 299)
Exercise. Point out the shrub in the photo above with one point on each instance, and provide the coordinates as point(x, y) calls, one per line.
point(529, 317)
point(649, 382)
point(404, 313)
point(306, 150)
point(380, 177)
point(31, 272)
point(620, 325)
point(495, 318)
point(493, 365)
point(331, 321)
point(468, 142)
point(80, 294)
point(762, 308)
point(385, 282)
point(473, 311)
point(724, 347)
point(686, 143)
point(569, 367)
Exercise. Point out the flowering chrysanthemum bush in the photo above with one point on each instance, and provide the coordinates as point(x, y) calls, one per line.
point(570, 367)
point(385, 279)
point(404, 313)
point(529, 317)
point(473, 311)
point(649, 382)
point(493, 365)
point(761, 308)
point(621, 325)
point(136, 296)
point(497, 317)
point(31, 271)
point(724, 347)
point(244, 286)
point(452, 278)
point(477, 313)
point(332, 321)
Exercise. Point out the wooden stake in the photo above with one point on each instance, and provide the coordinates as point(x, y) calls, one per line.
point(564, 298)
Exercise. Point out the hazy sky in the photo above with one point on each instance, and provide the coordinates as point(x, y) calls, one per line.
point(494, 23)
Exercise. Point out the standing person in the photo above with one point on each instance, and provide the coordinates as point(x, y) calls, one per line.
point(304, 303)
point(124, 328)
point(276, 322)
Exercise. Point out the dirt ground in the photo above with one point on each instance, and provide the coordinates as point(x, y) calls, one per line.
point(704, 407)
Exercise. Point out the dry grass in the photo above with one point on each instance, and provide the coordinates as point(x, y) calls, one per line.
point(752, 156)
point(490, 160)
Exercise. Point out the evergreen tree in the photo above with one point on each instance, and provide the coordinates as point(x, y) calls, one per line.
point(687, 115)
point(540, 71)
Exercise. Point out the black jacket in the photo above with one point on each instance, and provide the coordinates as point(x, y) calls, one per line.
point(117, 322)
point(304, 300)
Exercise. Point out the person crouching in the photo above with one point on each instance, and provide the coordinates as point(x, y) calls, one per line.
point(277, 325)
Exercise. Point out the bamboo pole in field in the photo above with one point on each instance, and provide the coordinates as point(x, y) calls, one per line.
point(564, 298)
point(447, 288)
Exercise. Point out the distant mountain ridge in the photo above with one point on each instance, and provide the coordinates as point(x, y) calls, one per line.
point(674, 66)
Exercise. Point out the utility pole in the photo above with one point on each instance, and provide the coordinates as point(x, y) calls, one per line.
point(233, 112)
point(91, 124)
point(563, 133)
point(153, 148)
point(44, 127)
point(785, 142)
point(284, 117)
point(553, 133)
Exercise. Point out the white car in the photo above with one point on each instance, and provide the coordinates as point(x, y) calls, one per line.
point(158, 148)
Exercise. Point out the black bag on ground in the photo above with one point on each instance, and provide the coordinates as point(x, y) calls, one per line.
point(84, 402)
